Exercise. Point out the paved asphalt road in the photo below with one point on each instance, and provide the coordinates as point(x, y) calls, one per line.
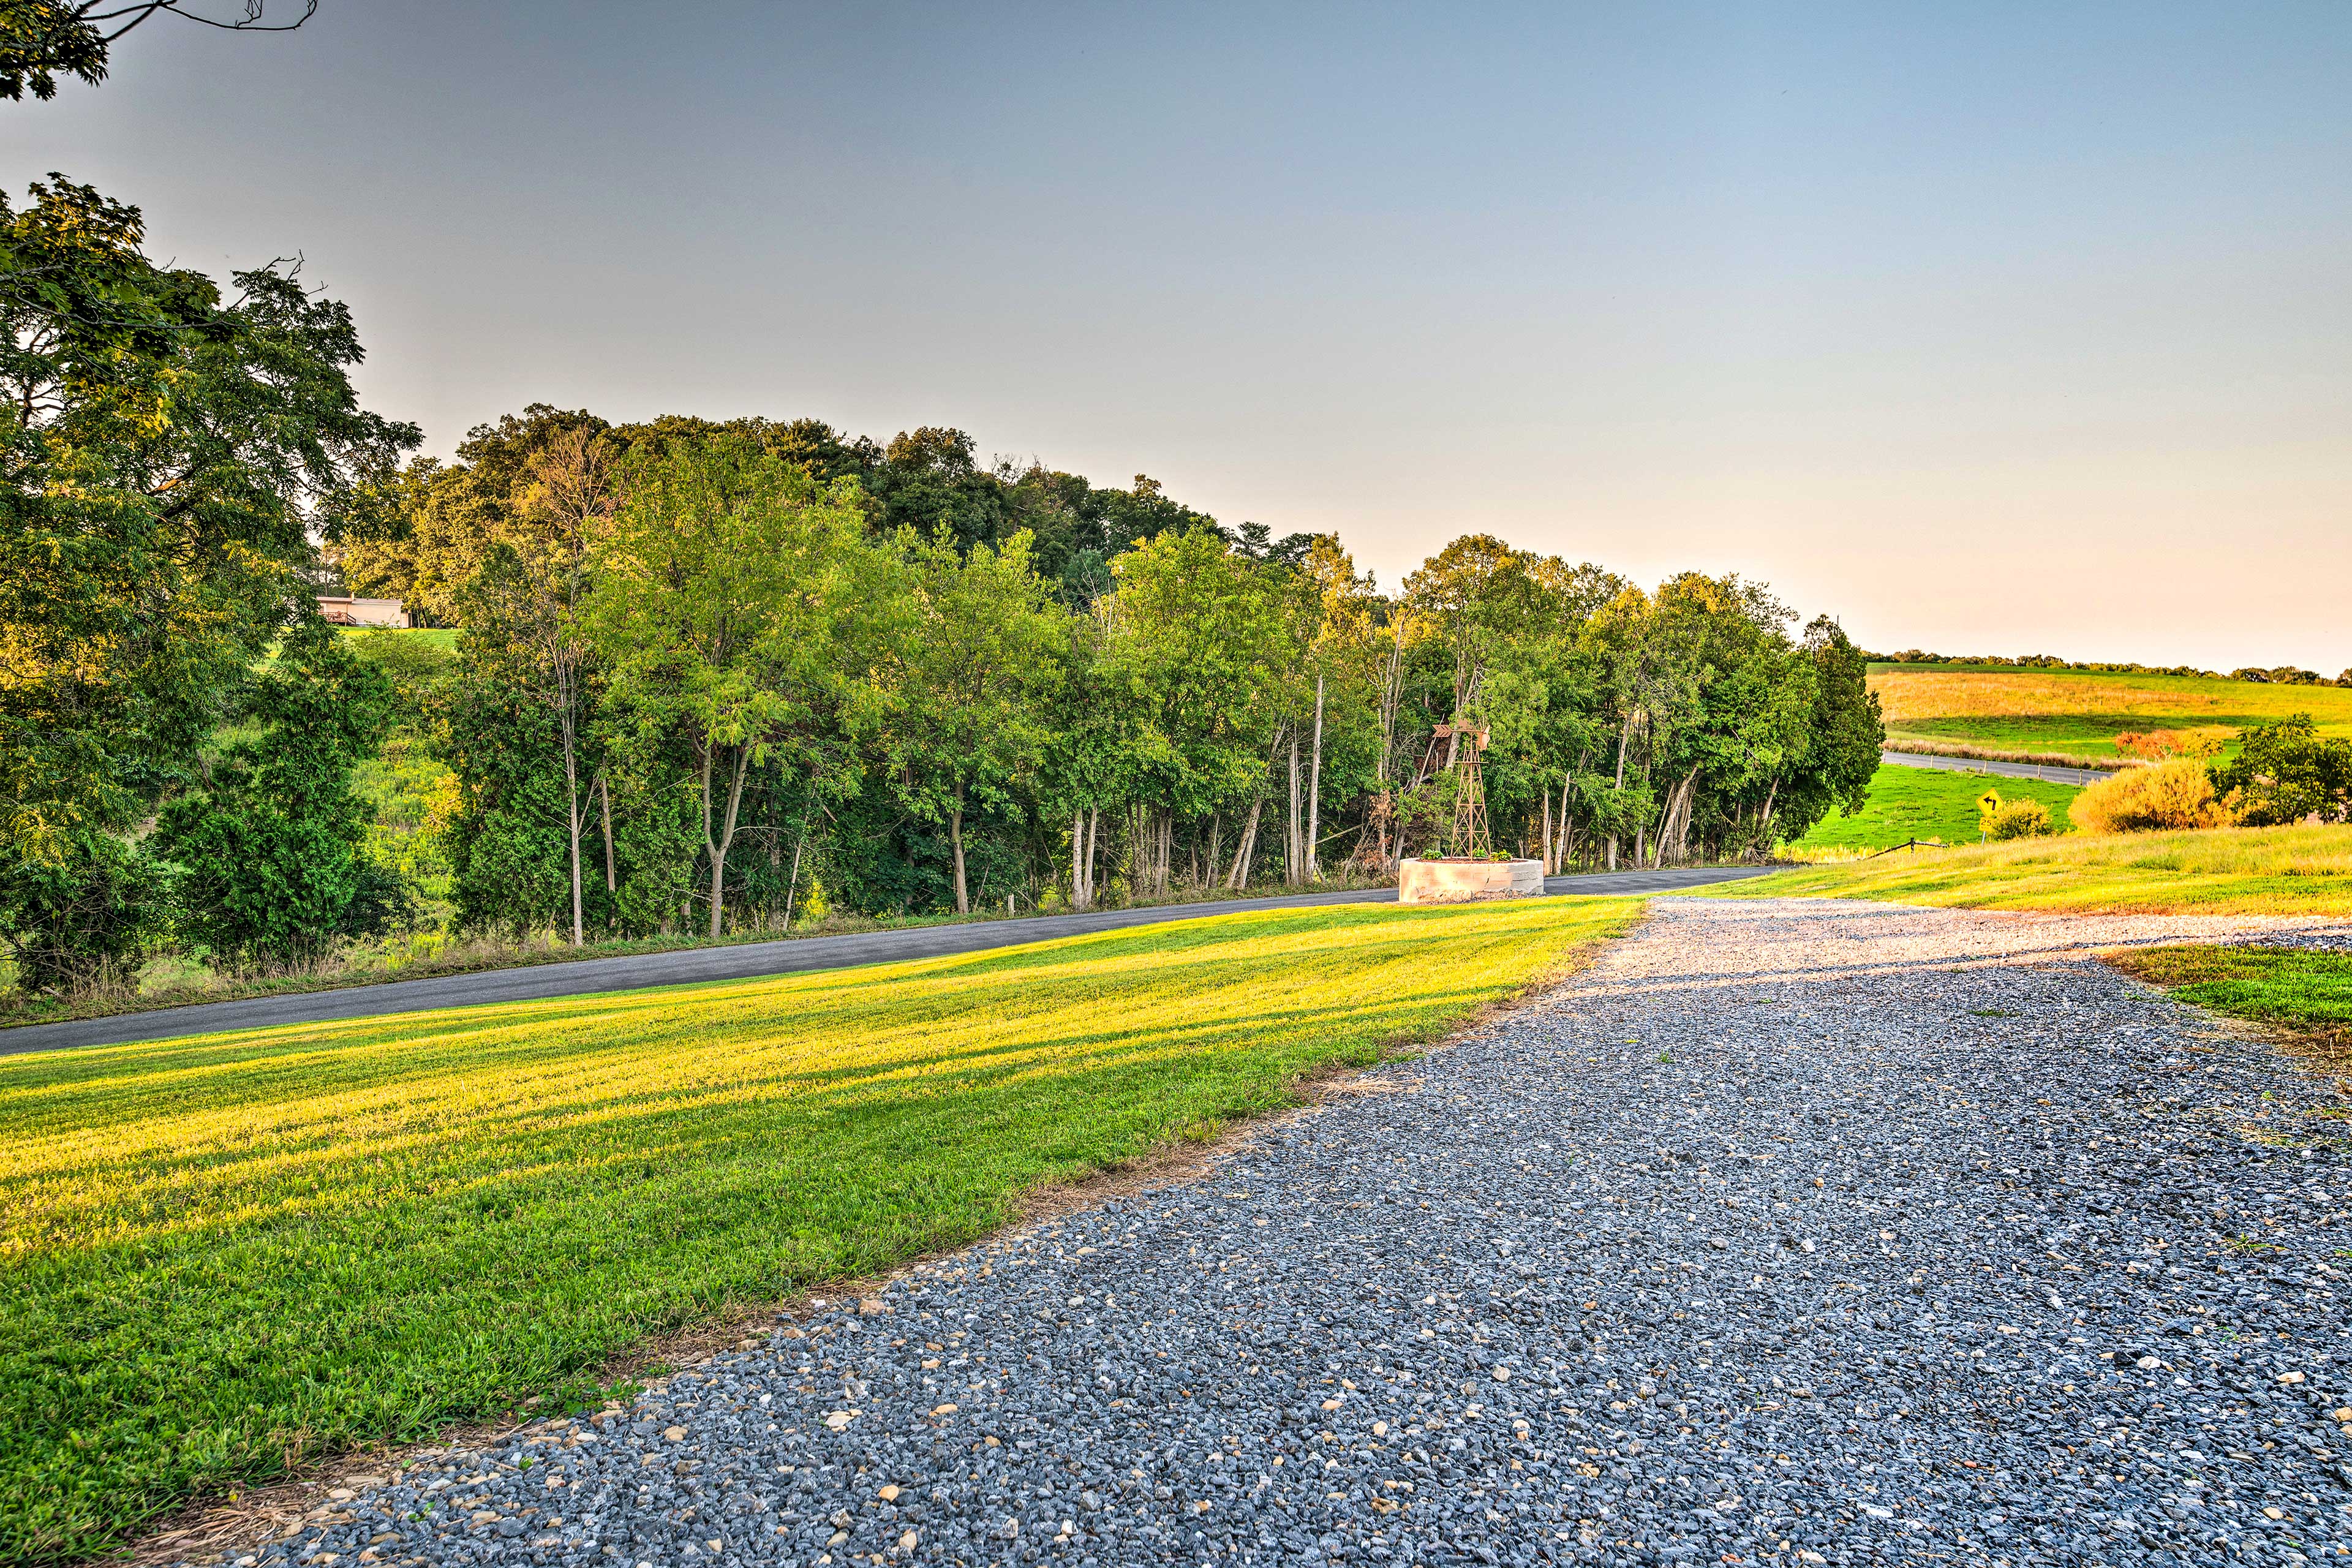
point(697, 965)
point(2051, 775)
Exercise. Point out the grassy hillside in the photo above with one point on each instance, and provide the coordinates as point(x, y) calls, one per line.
point(219, 1254)
point(442, 637)
point(2081, 714)
point(2242, 870)
point(1926, 803)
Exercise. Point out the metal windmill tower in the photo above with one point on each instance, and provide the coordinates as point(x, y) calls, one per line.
point(1455, 748)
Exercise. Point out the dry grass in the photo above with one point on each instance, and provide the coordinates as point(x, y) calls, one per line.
point(2297, 870)
point(1933, 693)
point(2079, 713)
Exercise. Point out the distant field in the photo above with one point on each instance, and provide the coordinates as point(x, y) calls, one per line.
point(439, 636)
point(218, 1255)
point(2243, 870)
point(2080, 713)
point(1926, 803)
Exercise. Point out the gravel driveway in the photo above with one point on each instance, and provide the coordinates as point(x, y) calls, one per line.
point(1790, 1231)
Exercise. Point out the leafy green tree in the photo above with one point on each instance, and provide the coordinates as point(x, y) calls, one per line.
point(982, 658)
point(41, 40)
point(2286, 771)
point(734, 603)
point(1831, 764)
point(266, 856)
point(929, 483)
point(1200, 643)
point(1347, 643)
point(1080, 528)
point(1479, 594)
point(167, 456)
point(531, 588)
point(431, 526)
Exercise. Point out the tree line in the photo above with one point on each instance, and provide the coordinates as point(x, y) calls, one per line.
point(706, 667)
point(710, 674)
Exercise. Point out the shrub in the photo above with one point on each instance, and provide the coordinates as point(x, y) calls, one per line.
point(266, 857)
point(2155, 745)
point(2287, 772)
point(2172, 794)
point(70, 922)
point(2018, 819)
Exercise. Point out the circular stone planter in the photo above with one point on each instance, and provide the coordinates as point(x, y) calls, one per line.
point(1458, 881)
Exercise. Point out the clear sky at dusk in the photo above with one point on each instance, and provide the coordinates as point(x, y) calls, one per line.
point(1991, 328)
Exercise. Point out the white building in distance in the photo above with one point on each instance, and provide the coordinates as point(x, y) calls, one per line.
point(348, 612)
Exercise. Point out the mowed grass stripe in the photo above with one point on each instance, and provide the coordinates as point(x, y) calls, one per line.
point(218, 1255)
point(2297, 870)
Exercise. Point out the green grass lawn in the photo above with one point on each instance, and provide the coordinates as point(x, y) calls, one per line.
point(2079, 712)
point(1926, 803)
point(2308, 993)
point(2293, 870)
point(222, 1253)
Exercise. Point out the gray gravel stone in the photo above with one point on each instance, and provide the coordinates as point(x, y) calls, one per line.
point(1790, 1231)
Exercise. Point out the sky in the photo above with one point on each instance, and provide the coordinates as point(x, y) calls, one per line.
point(1997, 327)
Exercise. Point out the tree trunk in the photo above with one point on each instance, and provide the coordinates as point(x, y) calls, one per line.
point(1315, 789)
point(1294, 864)
point(1080, 896)
point(793, 884)
point(1216, 846)
point(604, 794)
point(1094, 850)
point(1547, 833)
point(955, 836)
point(573, 809)
point(726, 838)
point(1249, 842)
point(1612, 852)
point(1683, 796)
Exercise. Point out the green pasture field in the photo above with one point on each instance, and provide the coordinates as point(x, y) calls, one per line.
point(443, 637)
point(2297, 870)
point(2080, 713)
point(224, 1254)
point(2308, 994)
point(1926, 803)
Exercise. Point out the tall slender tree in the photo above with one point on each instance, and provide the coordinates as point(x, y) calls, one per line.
point(728, 603)
point(983, 656)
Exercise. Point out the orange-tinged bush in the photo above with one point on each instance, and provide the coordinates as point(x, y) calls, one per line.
point(2172, 795)
point(2155, 745)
